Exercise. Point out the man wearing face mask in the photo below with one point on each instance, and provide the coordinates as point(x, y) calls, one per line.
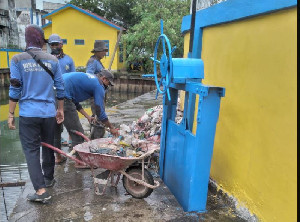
point(79, 87)
point(66, 62)
point(66, 65)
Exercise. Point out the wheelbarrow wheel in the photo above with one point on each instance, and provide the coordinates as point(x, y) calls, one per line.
point(134, 189)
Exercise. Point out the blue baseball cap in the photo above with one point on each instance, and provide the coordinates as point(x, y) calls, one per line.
point(54, 38)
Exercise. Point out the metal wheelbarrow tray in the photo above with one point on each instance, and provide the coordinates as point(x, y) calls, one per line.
point(110, 162)
point(137, 180)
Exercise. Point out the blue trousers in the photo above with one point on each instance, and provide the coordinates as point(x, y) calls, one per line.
point(32, 131)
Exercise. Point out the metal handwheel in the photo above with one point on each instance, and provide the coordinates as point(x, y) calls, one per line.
point(165, 62)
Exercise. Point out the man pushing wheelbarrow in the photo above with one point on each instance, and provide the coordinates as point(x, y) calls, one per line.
point(79, 87)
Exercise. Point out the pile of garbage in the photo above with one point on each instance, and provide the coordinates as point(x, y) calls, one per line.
point(148, 127)
point(118, 147)
point(135, 138)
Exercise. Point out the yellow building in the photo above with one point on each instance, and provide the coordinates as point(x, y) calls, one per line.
point(251, 50)
point(79, 29)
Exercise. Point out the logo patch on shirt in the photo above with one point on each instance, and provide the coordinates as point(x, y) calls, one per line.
point(67, 67)
point(34, 67)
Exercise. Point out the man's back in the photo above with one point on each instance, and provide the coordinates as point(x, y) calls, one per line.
point(81, 86)
point(36, 95)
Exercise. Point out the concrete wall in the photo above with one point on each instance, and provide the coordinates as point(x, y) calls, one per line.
point(15, 15)
point(72, 24)
point(4, 4)
point(255, 150)
point(23, 3)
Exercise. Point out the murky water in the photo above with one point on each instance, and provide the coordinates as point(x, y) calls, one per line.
point(13, 165)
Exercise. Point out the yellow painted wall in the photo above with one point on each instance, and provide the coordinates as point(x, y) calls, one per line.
point(4, 112)
point(71, 24)
point(255, 151)
point(3, 58)
point(185, 55)
point(47, 31)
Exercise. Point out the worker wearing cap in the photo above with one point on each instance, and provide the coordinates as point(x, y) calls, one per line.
point(66, 62)
point(79, 87)
point(94, 65)
point(66, 65)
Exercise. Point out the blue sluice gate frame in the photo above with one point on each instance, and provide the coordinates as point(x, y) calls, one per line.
point(185, 159)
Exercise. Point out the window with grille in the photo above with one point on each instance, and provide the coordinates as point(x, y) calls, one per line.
point(79, 41)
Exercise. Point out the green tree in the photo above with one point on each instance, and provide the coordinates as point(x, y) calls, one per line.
point(117, 11)
point(120, 12)
point(94, 6)
point(140, 39)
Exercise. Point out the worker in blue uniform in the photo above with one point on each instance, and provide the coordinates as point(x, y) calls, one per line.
point(66, 62)
point(66, 65)
point(79, 87)
point(94, 65)
point(32, 86)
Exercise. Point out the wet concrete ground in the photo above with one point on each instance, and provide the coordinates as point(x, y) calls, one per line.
point(73, 197)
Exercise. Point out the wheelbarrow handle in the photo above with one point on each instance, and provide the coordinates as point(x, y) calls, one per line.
point(63, 153)
point(81, 134)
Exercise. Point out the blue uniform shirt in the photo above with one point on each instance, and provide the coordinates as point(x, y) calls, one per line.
point(32, 86)
point(80, 86)
point(94, 65)
point(66, 64)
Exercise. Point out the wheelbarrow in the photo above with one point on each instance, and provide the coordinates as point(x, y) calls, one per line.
point(137, 180)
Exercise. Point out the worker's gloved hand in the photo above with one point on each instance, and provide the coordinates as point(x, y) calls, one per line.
point(114, 132)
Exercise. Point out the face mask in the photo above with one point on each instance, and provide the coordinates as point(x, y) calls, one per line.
point(106, 87)
point(55, 51)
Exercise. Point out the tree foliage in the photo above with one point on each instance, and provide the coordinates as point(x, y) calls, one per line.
point(120, 12)
point(140, 39)
point(117, 11)
point(94, 6)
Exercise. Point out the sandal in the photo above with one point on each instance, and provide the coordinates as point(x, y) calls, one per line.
point(44, 197)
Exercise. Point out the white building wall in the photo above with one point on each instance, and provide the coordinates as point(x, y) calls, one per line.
point(15, 15)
